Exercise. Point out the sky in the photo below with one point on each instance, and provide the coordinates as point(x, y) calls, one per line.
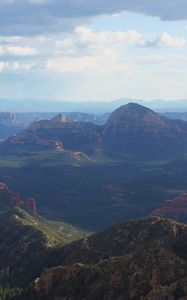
point(93, 50)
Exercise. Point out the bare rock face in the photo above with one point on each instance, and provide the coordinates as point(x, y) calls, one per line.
point(9, 199)
point(3, 186)
point(175, 209)
point(8, 119)
point(30, 205)
point(61, 118)
point(58, 145)
point(55, 122)
point(49, 279)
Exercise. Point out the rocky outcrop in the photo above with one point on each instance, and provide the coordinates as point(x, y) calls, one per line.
point(97, 119)
point(51, 278)
point(30, 205)
point(3, 186)
point(55, 122)
point(9, 199)
point(175, 209)
point(9, 125)
point(8, 119)
point(60, 118)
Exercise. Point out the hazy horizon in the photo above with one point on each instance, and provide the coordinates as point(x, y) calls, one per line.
point(92, 100)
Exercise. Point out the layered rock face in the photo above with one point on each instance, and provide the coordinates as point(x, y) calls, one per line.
point(136, 129)
point(175, 209)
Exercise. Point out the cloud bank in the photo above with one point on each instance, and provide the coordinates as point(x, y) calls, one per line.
point(85, 51)
point(32, 17)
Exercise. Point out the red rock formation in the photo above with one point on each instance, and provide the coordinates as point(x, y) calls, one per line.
point(30, 205)
point(10, 199)
point(3, 186)
point(175, 209)
point(58, 146)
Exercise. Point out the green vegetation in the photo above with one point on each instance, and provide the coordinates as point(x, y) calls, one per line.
point(132, 260)
point(94, 195)
point(10, 293)
point(151, 253)
point(26, 241)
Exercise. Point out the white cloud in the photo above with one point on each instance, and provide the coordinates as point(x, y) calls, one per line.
point(17, 50)
point(85, 42)
point(94, 52)
point(85, 51)
point(86, 35)
point(16, 66)
point(165, 40)
point(2, 66)
point(112, 63)
point(96, 65)
point(105, 52)
point(160, 59)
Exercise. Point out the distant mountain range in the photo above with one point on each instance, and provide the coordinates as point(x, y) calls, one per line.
point(12, 123)
point(130, 129)
point(176, 115)
point(100, 107)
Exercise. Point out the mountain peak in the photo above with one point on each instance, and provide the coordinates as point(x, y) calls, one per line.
point(133, 105)
point(136, 129)
point(61, 118)
point(133, 113)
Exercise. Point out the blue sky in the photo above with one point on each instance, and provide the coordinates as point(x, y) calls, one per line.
point(93, 50)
